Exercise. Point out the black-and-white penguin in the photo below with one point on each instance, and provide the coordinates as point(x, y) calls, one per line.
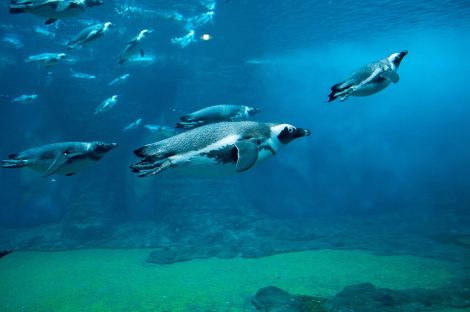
point(134, 46)
point(59, 158)
point(53, 10)
point(216, 149)
point(370, 78)
point(89, 34)
point(46, 59)
point(216, 113)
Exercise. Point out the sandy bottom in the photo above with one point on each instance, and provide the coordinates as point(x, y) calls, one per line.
point(120, 280)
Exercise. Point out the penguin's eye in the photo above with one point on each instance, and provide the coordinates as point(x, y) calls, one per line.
point(291, 130)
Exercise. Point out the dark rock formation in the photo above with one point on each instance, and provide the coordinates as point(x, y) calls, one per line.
point(3, 253)
point(367, 298)
point(273, 299)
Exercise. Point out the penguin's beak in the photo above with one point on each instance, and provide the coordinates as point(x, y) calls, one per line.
point(399, 57)
point(301, 132)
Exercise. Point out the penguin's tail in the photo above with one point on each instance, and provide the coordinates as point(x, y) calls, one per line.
point(335, 89)
point(332, 96)
point(144, 151)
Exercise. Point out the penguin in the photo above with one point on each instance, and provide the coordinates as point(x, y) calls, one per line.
point(89, 34)
point(119, 80)
point(217, 149)
point(134, 46)
point(53, 10)
point(216, 113)
point(25, 98)
point(46, 59)
point(106, 105)
point(59, 158)
point(164, 131)
point(369, 79)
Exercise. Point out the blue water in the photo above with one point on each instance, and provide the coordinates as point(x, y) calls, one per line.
point(405, 148)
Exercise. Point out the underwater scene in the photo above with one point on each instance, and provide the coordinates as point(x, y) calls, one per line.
point(235, 155)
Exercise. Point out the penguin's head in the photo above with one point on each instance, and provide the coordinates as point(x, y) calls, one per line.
point(99, 148)
point(286, 133)
point(250, 111)
point(395, 58)
point(92, 3)
point(107, 26)
point(144, 33)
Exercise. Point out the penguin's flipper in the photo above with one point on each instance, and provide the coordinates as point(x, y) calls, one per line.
point(58, 163)
point(50, 21)
point(247, 154)
point(91, 35)
point(390, 74)
point(142, 53)
point(375, 73)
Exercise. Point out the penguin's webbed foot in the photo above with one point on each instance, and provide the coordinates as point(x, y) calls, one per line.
point(13, 163)
point(149, 169)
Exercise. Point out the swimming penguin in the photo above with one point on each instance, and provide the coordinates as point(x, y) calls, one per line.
point(59, 158)
point(25, 98)
point(106, 105)
point(89, 34)
point(119, 80)
point(46, 59)
point(52, 9)
point(369, 79)
point(134, 46)
point(216, 149)
point(216, 113)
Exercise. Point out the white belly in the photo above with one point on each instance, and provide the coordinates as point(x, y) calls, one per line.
point(196, 163)
point(371, 88)
point(76, 165)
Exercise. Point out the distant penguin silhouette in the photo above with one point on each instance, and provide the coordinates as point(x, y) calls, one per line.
point(134, 46)
point(89, 34)
point(369, 79)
